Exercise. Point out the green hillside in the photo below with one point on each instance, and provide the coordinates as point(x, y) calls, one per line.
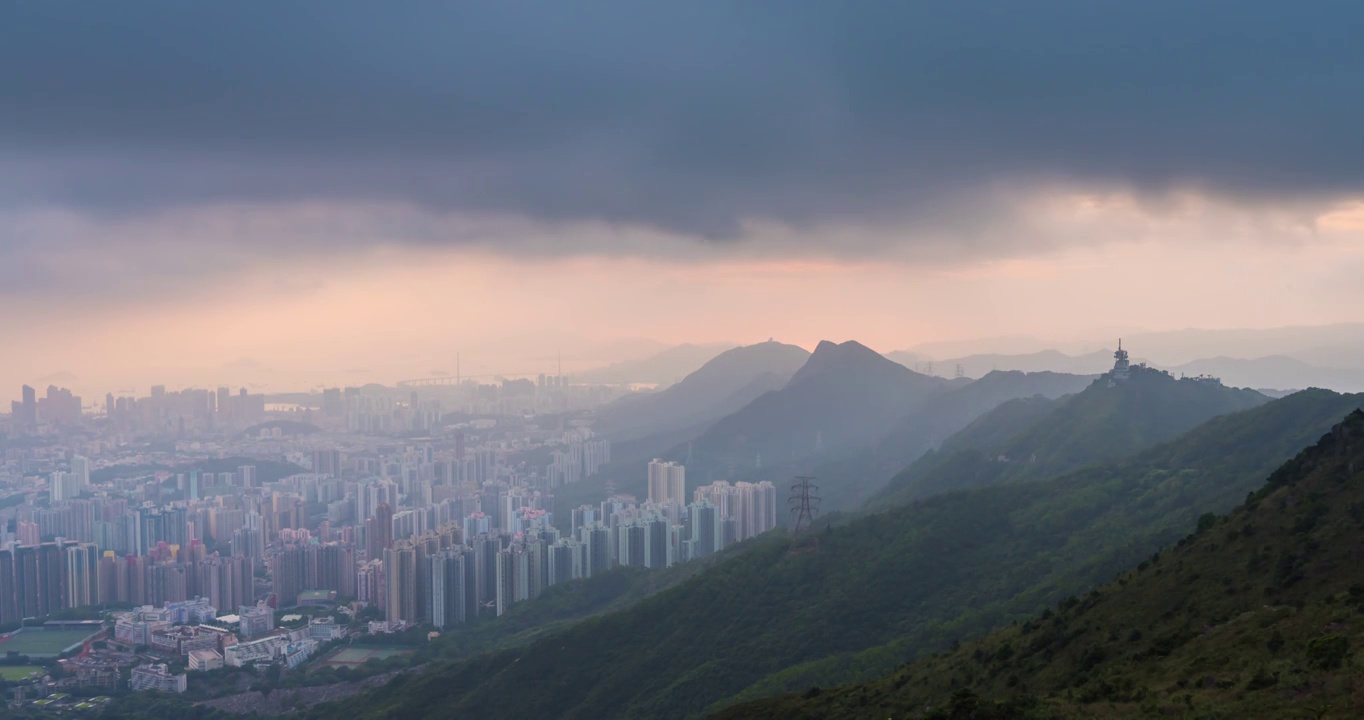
point(848, 481)
point(1258, 614)
point(844, 396)
point(1105, 422)
point(951, 567)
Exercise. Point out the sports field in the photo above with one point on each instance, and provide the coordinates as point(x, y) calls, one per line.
point(355, 656)
point(42, 643)
point(17, 672)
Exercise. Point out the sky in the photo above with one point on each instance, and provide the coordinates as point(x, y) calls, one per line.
point(298, 193)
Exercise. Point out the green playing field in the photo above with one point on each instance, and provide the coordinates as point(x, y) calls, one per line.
point(17, 672)
point(44, 643)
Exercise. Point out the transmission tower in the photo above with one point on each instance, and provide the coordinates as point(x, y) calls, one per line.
point(804, 503)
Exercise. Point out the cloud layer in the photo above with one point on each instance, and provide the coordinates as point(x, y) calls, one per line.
point(697, 119)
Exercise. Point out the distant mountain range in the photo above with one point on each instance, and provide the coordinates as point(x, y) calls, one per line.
point(1274, 372)
point(664, 368)
point(723, 385)
point(845, 395)
point(1109, 420)
point(980, 365)
point(760, 412)
point(855, 418)
point(1334, 346)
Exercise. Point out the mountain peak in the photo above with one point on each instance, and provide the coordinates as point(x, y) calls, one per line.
point(721, 386)
point(850, 356)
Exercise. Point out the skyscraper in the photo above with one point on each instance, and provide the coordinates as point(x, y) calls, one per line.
point(225, 581)
point(705, 530)
point(446, 586)
point(51, 578)
point(80, 469)
point(379, 531)
point(57, 487)
point(403, 568)
point(667, 482)
point(82, 575)
point(332, 403)
point(25, 413)
point(27, 594)
point(9, 608)
point(287, 574)
point(656, 551)
point(677, 484)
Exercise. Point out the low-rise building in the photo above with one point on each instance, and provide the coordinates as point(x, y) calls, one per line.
point(135, 628)
point(157, 677)
point(291, 648)
point(98, 677)
point(204, 660)
point(324, 629)
point(183, 639)
point(256, 621)
point(246, 653)
point(295, 653)
point(197, 610)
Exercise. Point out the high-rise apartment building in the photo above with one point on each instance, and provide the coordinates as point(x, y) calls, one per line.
point(80, 469)
point(9, 606)
point(447, 574)
point(379, 531)
point(82, 575)
point(705, 530)
point(404, 565)
point(667, 482)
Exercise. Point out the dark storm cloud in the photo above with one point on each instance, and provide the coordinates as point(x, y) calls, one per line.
point(690, 117)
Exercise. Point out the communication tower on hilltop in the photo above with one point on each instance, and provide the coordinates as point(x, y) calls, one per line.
point(1120, 363)
point(804, 506)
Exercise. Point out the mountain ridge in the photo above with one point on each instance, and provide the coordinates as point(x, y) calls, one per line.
point(1255, 614)
point(843, 396)
point(721, 386)
point(1104, 422)
point(663, 368)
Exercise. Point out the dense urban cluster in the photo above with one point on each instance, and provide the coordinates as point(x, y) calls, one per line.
point(177, 527)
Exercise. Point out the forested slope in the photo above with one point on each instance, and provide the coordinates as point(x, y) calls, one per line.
point(1258, 614)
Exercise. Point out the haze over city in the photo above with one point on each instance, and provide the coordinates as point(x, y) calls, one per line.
point(610, 359)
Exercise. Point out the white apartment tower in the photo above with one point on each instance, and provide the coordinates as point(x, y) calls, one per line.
point(667, 483)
